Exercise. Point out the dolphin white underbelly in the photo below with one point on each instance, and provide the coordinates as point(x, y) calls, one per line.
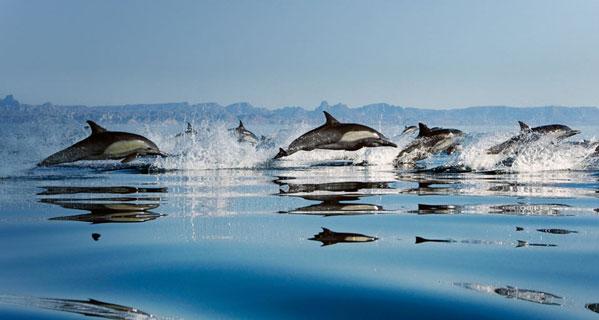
point(353, 136)
point(121, 149)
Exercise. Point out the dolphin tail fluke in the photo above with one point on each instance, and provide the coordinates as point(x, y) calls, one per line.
point(282, 153)
point(420, 240)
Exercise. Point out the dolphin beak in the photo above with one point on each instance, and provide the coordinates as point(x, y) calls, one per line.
point(387, 143)
point(570, 133)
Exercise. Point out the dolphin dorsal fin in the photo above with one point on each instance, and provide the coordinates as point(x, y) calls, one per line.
point(524, 126)
point(423, 130)
point(189, 128)
point(96, 128)
point(240, 125)
point(325, 230)
point(330, 119)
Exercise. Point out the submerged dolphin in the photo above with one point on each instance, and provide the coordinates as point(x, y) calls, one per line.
point(334, 135)
point(528, 135)
point(244, 135)
point(105, 145)
point(428, 142)
point(408, 130)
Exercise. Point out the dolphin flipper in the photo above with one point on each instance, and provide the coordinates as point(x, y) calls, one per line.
point(129, 158)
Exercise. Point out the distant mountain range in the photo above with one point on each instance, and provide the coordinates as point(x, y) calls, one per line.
point(381, 113)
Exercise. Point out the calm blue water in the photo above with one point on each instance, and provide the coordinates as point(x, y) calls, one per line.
point(236, 244)
point(220, 231)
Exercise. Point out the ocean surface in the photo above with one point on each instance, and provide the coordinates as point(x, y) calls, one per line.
point(220, 231)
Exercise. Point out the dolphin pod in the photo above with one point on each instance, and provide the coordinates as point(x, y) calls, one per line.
point(334, 135)
point(105, 145)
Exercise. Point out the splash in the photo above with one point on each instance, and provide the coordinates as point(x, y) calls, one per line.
point(546, 154)
point(212, 146)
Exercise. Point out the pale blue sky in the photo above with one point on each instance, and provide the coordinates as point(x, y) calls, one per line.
point(274, 53)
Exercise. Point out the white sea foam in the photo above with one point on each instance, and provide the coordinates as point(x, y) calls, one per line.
point(214, 147)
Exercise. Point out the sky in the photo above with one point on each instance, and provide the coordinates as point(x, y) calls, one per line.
point(430, 54)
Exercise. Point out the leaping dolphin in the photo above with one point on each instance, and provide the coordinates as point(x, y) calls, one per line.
point(334, 135)
point(428, 142)
point(244, 135)
point(105, 145)
point(528, 135)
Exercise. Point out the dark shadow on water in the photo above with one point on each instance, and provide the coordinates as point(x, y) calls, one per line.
point(420, 240)
point(517, 244)
point(329, 237)
point(593, 307)
point(89, 308)
point(557, 231)
point(510, 292)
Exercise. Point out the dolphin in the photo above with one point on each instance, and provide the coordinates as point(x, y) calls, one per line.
point(334, 135)
point(189, 131)
point(104, 145)
point(328, 237)
point(528, 135)
point(428, 142)
point(244, 135)
point(408, 130)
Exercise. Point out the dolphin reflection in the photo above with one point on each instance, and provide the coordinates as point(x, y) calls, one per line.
point(331, 205)
point(510, 292)
point(89, 308)
point(56, 190)
point(328, 237)
point(109, 212)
